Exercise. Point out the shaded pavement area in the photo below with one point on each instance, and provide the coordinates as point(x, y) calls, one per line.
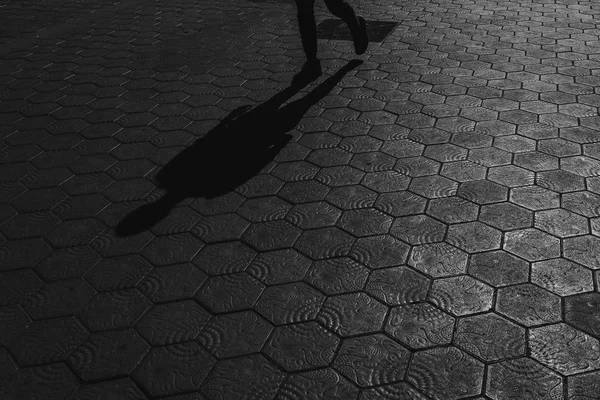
point(178, 222)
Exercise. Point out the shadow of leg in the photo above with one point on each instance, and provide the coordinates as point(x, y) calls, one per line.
point(148, 215)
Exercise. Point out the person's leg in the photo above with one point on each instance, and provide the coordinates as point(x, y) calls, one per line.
point(308, 34)
point(357, 25)
point(308, 27)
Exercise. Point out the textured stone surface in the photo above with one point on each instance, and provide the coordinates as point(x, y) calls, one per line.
point(177, 222)
point(372, 360)
point(520, 377)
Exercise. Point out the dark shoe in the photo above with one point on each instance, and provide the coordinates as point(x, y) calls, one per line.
point(309, 72)
point(359, 36)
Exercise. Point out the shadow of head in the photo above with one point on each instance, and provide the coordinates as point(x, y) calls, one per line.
point(230, 154)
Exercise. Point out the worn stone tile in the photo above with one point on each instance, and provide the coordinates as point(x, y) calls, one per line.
point(522, 375)
point(302, 346)
point(372, 360)
point(550, 345)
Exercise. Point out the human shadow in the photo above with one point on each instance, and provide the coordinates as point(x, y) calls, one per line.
point(231, 153)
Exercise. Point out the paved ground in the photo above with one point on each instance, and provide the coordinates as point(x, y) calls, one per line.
point(425, 225)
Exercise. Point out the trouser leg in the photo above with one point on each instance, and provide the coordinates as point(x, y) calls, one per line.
point(344, 11)
point(308, 27)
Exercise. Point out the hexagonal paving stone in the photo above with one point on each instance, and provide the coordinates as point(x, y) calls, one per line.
point(535, 197)
point(452, 209)
point(561, 223)
point(528, 304)
point(584, 386)
point(172, 249)
point(386, 181)
point(172, 322)
point(581, 165)
point(339, 176)
point(235, 334)
point(461, 295)
point(70, 262)
point(231, 292)
point(398, 204)
point(226, 203)
point(445, 152)
point(351, 197)
point(490, 337)
point(175, 282)
point(584, 203)
point(116, 389)
point(47, 341)
point(506, 216)
point(538, 131)
point(532, 244)
point(491, 157)
point(560, 181)
point(351, 314)
point(289, 303)
point(325, 243)
point(417, 166)
point(365, 222)
point(564, 349)
point(114, 310)
point(19, 285)
point(482, 192)
point(108, 354)
point(463, 171)
point(303, 192)
point(14, 320)
point(420, 325)
point(118, 272)
point(511, 176)
point(279, 266)
point(380, 251)
point(498, 268)
point(313, 215)
point(562, 277)
point(433, 186)
point(58, 298)
point(581, 134)
point(318, 384)
point(264, 209)
point(438, 260)
point(271, 235)
point(373, 161)
point(372, 360)
point(397, 285)
point(472, 140)
point(559, 147)
point(511, 379)
point(243, 377)
point(446, 373)
point(173, 369)
point(474, 237)
point(581, 311)
point(77, 232)
point(514, 143)
point(301, 346)
point(536, 161)
point(224, 258)
point(46, 381)
point(584, 250)
point(180, 220)
point(418, 229)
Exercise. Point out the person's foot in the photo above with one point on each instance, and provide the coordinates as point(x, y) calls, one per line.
point(359, 36)
point(310, 71)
